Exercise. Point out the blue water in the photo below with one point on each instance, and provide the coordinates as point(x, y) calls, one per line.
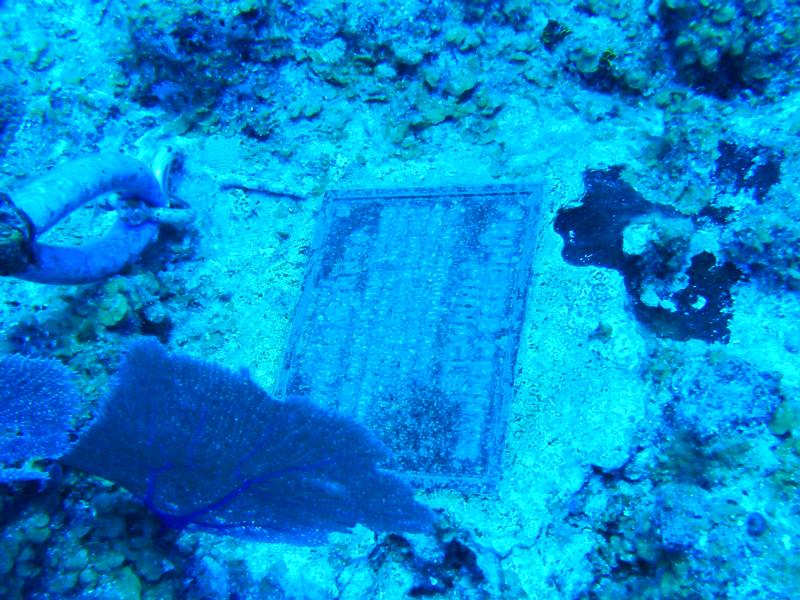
point(449, 299)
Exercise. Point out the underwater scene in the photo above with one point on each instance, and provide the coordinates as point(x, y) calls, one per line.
point(458, 299)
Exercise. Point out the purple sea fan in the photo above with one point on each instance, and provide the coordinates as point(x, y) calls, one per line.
point(37, 403)
point(207, 448)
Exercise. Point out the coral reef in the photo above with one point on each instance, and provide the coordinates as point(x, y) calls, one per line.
point(725, 48)
point(653, 439)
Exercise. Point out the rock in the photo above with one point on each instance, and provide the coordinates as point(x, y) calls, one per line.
point(461, 83)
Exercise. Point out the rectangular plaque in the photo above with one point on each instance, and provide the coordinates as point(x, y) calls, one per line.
point(409, 321)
